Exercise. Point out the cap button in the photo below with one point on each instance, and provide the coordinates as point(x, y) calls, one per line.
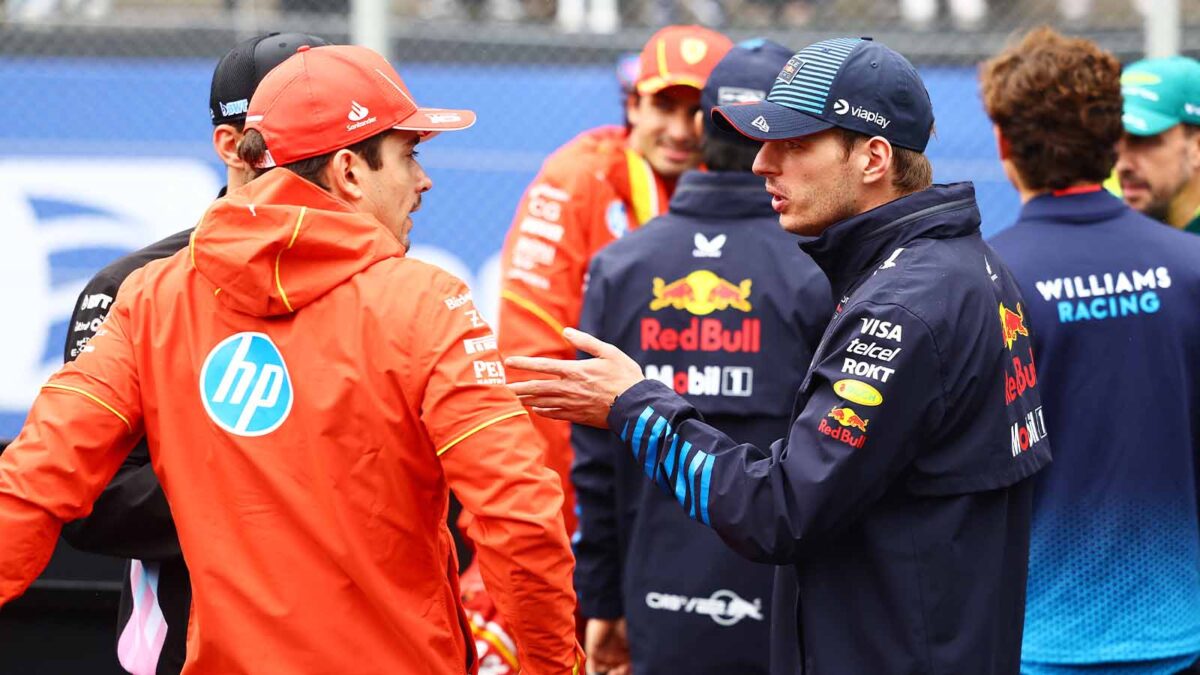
point(303, 48)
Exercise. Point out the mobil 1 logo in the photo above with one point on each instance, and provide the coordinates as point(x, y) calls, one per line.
point(245, 385)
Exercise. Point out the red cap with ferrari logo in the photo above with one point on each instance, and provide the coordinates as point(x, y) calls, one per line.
point(680, 56)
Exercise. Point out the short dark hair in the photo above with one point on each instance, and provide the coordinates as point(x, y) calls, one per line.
point(1057, 101)
point(912, 171)
point(722, 153)
point(253, 149)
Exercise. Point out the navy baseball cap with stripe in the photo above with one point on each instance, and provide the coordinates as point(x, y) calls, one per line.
point(851, 83)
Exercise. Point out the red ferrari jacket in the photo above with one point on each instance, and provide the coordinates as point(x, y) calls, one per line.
point(309, 396)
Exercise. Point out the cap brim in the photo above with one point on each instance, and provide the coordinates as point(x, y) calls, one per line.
point(1142, 122)
point(653, 85)
point(430, 121)
point(766, 121)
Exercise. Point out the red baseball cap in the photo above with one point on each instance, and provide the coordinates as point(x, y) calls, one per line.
point(680, 55)
point(322, 99)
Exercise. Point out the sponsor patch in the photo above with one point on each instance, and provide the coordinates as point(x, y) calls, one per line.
point(1012, 324)
point(481, 344)
point(858, 392)
point(736, 381)
point(245, 386)
point(1108, 295)
point(724, 607)
point(489, 372)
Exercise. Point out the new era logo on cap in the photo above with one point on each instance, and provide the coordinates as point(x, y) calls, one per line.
point(760, 123)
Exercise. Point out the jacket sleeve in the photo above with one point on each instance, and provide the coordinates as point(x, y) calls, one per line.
point(131, 518)
point(859, 428)
point(593, 475)
point(82, 425)
point(492, 459)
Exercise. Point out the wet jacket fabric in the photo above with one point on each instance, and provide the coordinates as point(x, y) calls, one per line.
point(1114, 570)
point(588, 193)
point(131, 518)
point(735, 340)
point(900, 492)
point(309, 491)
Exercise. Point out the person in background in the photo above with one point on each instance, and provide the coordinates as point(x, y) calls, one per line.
point(1112, 298)
point(602, 184)
point(1158, 157)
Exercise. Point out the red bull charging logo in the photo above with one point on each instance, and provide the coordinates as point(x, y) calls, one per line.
point(848, 420)
point(700, 293)
point(1012, 324)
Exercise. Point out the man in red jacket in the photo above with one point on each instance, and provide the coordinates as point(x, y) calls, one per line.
point(309, 396)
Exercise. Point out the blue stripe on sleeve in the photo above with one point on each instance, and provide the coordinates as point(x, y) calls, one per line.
point(705, 479)
point(697, 460)
point(652, 447)
point(640, 428)
point(680, 484)
point(625, 432)
point(665, 479)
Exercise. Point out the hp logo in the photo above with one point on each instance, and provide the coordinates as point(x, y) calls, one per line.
point(245, 385)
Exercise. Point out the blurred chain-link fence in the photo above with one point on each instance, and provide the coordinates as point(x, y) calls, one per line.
point(104, 134)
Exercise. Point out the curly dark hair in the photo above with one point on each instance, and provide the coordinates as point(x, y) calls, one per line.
point(1057, 101)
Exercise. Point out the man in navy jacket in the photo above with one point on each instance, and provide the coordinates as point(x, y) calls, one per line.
point(714, 300)
point(899, 494)
point(1114, 308)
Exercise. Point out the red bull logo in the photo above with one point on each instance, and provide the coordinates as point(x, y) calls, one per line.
point(701, 293)
point(848, 420)
point(702, 335)
point(1012, 324)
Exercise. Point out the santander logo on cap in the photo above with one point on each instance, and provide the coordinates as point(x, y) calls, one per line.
point(298, 107)
point(357, 114)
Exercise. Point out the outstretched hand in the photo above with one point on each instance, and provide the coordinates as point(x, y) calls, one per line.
point(580, 391)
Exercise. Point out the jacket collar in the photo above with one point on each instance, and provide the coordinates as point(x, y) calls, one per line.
point(846, 250)
point(1083, 208)
point(721, 194)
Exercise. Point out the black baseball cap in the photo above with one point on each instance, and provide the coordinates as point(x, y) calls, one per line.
point(239, 72)
point(744, 75)
point(851, 83)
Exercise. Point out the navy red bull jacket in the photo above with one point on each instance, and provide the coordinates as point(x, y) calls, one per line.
point(735, 338)
point(899, 493)
point(1114, 563)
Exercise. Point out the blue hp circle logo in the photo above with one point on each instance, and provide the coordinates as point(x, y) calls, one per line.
point(245, 385)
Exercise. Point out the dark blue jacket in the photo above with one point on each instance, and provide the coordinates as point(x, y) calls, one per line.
point(735, 338)
point(898, 493)
point(1114, 305)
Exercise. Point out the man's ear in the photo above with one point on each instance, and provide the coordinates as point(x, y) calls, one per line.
point(877, 152)
point(1191, 136)
point(1002, 145)
point(343, 176)
point(225, 139)
point(631, 107)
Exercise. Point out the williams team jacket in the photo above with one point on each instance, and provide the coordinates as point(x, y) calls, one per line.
point(1113, 300)
point(899, 491)
point(715, 300)
point(309, 396)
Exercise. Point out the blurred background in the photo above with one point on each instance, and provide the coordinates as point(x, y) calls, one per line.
point(105, 147)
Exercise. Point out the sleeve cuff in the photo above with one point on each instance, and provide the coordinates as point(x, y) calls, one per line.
point(630, 404)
